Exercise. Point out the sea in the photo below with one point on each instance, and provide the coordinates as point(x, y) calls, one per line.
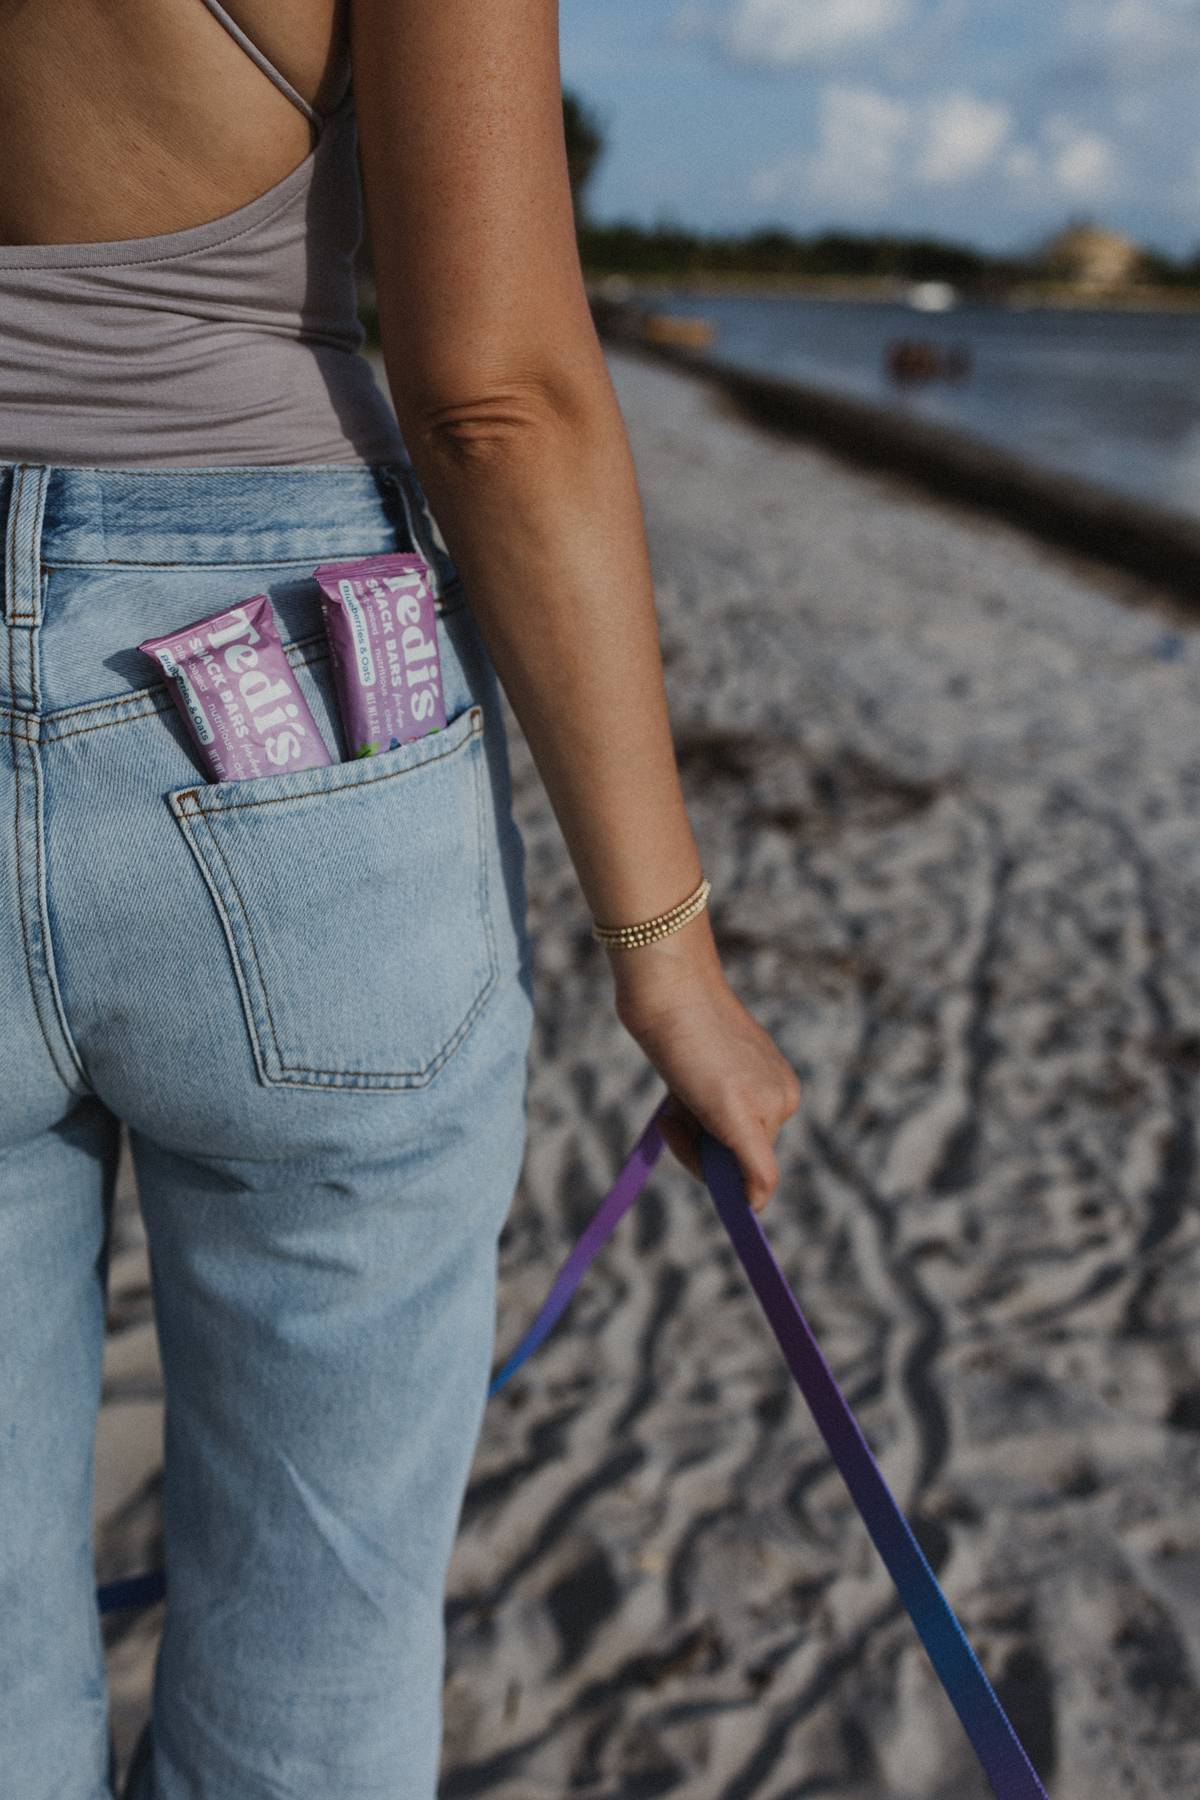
point(1110, 395)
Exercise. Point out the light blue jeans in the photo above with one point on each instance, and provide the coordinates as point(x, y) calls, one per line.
point(309, 996)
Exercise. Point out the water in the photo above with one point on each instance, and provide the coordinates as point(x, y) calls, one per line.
point(1111, 396)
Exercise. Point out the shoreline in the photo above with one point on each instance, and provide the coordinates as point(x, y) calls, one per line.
point(1067, 511)
point(888, 290)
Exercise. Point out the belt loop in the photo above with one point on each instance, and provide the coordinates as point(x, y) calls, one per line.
point(23, 582)
point(23, 544)
point(402, 477)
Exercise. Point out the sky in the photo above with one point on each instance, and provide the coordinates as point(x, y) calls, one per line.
point(991, 122)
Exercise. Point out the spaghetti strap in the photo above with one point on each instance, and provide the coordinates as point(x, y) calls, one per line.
point(268, 68)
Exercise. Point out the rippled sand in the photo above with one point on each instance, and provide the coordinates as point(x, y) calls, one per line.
point(946, 784)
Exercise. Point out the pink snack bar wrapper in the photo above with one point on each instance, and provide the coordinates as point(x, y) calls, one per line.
point(238, 697)
point(383, 646)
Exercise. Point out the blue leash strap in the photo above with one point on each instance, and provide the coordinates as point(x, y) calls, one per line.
point(996, 1744)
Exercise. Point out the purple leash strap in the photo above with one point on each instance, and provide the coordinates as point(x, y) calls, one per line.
point(996, 1744)
point(984, 1720)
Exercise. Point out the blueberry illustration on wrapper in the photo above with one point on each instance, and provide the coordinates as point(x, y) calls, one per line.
point(383, 646)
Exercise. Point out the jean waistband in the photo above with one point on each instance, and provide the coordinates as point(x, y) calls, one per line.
point(253, 513)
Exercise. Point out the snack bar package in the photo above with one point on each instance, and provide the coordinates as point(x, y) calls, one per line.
point(235, 689)
point(382, 629)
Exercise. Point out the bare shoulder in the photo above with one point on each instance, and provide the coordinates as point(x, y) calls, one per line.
point(123, 120)
point(306, 39)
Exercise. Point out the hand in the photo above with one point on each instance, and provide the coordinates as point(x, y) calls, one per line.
point(722, 1069)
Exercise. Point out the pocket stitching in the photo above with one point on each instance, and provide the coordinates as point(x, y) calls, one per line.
point(227, 926)
point(364, 1080)
point(187, 801)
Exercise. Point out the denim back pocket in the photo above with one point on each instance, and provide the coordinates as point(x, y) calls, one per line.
point(354, 899)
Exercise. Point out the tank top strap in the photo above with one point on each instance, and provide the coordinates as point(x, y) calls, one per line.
point(268, 68)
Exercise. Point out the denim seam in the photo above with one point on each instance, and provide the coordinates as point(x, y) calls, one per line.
point(162, 687)
point(33, 652)
point(135, 698)
point(227, 927)
point(206, 814)
point(13, 716)
point(10, 576)
point(447, 577)
point(29, 660)
point(10, 584)
point(22, 914)
point(155, 697)
point(315, 638)
point(408, 501)
point(145, 712)
point(366, 780)
point(43, 900)
point(265, 560)
point(10, 590)
point(35, 644)
point(360, 1080)
point(24, 738)
point(229, 471)
point(352, 1078)
point(484, 885)
point(33, 529)
point(147, 699)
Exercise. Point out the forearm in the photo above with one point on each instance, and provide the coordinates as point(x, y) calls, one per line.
point(538, 503)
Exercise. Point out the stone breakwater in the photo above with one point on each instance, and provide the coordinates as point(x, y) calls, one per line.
point(1155, 542)
point(946, 783)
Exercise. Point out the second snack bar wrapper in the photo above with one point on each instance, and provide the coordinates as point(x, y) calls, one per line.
point(382, 630)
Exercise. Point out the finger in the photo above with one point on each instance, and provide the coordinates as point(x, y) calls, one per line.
point(745, 1134)
point(793, 1093)
point(760, 1173)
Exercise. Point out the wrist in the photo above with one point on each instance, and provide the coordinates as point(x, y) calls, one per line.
point(651, 974)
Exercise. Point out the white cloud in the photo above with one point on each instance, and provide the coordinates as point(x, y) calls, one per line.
point(791, 33)
point(872, 145)
point(1071, 163)
point(862, 136)
point(962, 136)
point(1144, 36)
point(1082, 164)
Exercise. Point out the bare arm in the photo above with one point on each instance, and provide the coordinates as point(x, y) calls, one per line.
point(510, 418)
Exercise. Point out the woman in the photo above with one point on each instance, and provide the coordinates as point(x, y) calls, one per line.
point(308, 995)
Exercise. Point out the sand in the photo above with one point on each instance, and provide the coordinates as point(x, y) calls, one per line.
point(946, 785)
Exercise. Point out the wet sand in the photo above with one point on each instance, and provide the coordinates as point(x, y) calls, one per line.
point(946, 783)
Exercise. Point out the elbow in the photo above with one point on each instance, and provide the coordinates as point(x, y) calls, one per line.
point(484, 422)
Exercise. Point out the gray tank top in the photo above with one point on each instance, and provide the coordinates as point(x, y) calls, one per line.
point(235, 341)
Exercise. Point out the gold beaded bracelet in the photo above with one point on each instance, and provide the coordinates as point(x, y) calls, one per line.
point(628, 937)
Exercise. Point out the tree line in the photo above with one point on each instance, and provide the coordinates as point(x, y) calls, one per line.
point(669, 250)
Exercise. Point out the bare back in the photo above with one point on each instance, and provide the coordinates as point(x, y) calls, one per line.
point(127, 120)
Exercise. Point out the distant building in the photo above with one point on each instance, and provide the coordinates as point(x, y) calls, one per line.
point(1090, 257)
